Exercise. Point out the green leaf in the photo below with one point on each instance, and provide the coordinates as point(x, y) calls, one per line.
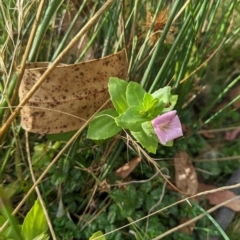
point(149, 102)
point(162, 94)
point(149, 130)
point(125, 200)
point(14, 230)
point(173, 100)
point(8, 232)
point(103, 125)
point(41, 157)
point(98, 235)
point(130, 126)
point(42, 237)
point(146, 141)
point(117, 90)
point(135, 94)
point(132, 118)
point(34, 223)
point(154, 106)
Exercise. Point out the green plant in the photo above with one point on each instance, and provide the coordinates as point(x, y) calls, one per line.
point(34, 226)
point(138, 111)
point(77, 176)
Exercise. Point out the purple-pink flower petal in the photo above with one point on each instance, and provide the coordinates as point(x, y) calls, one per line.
point(164, 117)
point(161, 135)
point(167, 127)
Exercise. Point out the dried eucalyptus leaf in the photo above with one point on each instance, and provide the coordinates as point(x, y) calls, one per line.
point(70, 94)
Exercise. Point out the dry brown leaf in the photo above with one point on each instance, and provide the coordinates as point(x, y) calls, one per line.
point(220, 196)
point(127, 168)
point(185, 174)
point(70, 95)
point(186, 181)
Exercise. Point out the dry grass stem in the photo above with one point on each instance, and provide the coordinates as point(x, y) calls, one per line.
point(37, 189)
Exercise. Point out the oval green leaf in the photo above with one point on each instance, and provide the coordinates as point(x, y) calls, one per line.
point(135, 94)
point(34, 223)
point(97, 235)
point(149, 130)
point(117, 90)
point(103, 125)
point(146, 141)
point(132, 118)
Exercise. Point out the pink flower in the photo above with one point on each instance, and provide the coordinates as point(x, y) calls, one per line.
point(167, 127)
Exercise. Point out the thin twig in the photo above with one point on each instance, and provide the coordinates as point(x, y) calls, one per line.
point(37, 189)
point(96, 214)
point(217, 159)
point(218, 130)
point(140, 150)
point(89, 203)
point(132, 182)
